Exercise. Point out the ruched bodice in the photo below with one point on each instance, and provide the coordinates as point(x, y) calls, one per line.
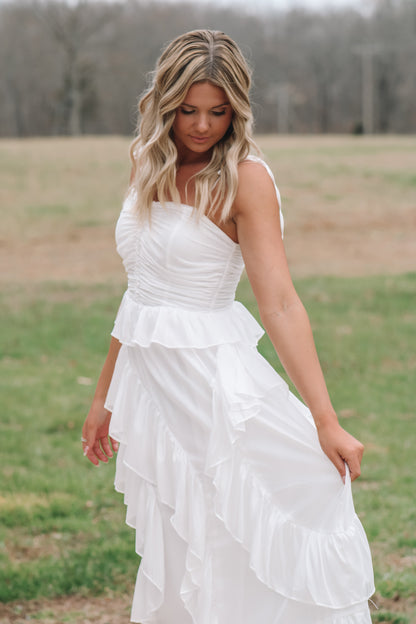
point(177, 259)
point(182, 276)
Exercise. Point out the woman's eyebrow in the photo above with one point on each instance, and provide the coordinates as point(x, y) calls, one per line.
point(217, 106)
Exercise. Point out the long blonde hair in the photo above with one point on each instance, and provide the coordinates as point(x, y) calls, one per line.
point(197, 56)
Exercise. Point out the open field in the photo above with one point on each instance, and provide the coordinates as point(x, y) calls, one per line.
point(350, 209)
point(349, 205)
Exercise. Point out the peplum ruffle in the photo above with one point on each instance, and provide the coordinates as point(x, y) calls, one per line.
point(177, 328)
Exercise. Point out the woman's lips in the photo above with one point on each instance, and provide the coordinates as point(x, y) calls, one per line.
point(199, 139)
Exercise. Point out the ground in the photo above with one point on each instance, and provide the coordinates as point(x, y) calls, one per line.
point(349, 207)
point(68, 610)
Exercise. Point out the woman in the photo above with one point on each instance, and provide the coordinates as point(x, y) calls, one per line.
point(240, 494)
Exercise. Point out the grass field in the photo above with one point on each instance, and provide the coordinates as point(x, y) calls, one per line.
point(62, 535)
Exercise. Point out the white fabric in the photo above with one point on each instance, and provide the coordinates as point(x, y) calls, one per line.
point(239, 515)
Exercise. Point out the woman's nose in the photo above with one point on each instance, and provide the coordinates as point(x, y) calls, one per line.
point(202, 123)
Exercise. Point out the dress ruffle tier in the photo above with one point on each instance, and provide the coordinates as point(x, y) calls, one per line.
point(311, 565)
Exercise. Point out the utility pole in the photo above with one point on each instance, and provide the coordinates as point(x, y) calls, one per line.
point(368, 51)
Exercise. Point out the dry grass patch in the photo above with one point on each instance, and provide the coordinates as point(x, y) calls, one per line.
point(349, 205)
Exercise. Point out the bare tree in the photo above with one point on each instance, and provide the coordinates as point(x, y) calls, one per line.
point(74, 29)
point(71, 68)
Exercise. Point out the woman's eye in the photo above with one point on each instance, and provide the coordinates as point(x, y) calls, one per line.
point(186, 111)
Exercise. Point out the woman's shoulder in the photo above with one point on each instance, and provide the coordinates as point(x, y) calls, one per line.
point(255, 169)
point(253, 160)
point(256, 184)
point(255, 174)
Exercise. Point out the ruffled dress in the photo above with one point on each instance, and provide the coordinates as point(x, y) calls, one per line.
point(240, 518)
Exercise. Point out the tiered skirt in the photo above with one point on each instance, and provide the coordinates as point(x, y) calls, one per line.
point(239, 515)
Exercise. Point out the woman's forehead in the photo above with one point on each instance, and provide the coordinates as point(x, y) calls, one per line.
point(206, 93)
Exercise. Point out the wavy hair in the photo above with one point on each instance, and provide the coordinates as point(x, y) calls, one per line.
point(197, 56)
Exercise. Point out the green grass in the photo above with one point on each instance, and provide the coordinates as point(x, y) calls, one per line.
point(387, 617)
point(62, 526)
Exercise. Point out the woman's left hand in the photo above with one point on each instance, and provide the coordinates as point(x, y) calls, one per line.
point(95, 437)
point(341, 447)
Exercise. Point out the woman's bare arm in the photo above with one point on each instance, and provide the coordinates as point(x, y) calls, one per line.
point(256, 213)
point(95, 430)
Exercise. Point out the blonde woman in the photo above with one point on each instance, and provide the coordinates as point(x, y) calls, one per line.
point(240, 494)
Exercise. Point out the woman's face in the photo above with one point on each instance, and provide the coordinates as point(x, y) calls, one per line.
point(202, 119)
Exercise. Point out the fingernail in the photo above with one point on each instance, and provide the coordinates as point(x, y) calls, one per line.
point(86, 449)
point(343, 479)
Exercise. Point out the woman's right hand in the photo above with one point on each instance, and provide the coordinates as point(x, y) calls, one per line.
point(341, 448)
point(95, 438)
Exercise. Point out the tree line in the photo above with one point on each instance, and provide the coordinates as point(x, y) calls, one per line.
point(79, 68)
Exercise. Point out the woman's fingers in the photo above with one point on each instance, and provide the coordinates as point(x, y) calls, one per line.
point(342, 448)
point(90, 454)
point(98, 449)
point(87, 441)
point(339, 464)
point(105, 445)
point(353, 459)
point(91, 445)
point(95, 438)
point(354, 464)
point(99, 453)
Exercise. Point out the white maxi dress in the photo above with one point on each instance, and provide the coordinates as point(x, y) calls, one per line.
point(240, 517)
